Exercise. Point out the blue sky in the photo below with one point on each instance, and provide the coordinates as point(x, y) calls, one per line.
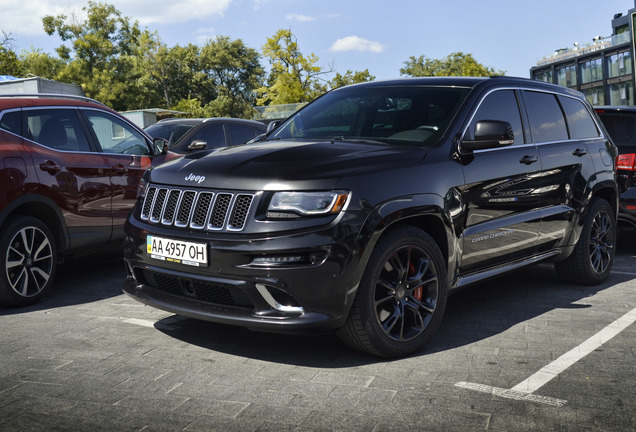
point(354, 34)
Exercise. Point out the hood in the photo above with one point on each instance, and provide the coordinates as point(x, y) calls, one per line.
point(277, 165)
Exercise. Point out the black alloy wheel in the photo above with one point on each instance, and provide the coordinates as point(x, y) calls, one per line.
point(406, 293)
point(601, 246)
point(402, 296)
point(28, 250)
point(593, 256)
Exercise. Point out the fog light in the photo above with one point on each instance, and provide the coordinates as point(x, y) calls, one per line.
point(277, 260)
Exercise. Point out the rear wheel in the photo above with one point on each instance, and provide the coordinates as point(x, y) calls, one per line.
point(29, 261)
point(593, 256)
point(401, 298)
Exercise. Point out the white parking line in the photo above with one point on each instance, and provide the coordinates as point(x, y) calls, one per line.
point(525, 389)
point(140, 322)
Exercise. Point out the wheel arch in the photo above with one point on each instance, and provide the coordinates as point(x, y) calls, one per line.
point(425, 212)
point(44, 209)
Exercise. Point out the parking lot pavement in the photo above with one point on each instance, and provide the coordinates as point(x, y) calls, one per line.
point(90, 358)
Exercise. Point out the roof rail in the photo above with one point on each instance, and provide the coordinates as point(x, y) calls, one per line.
point(51, 96)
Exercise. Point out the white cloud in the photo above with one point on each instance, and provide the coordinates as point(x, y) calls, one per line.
point(25, 17)
point(168, 11)
point(355, 43)
point(299, 17)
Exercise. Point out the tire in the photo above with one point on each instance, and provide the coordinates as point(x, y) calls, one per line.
point(401, 298)
point(29, 260)
point(593, 256)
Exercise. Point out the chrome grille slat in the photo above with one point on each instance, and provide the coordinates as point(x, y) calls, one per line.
point(198, 210)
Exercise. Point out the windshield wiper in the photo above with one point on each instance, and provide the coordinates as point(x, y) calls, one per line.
point(357, 140)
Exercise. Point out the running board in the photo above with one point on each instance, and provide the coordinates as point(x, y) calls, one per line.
point(472, 278)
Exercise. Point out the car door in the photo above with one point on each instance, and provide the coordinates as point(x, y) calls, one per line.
point(500, 191)
point(565, 159)
point(127, 155)
point(74, 173)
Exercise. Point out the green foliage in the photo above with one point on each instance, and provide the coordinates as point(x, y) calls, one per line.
point(350, 78)
point(99, 57)
point(10, 63)
point(455, 64)
point(293, 78)
point(116, 62)
point(37, 63)
point(234, 71)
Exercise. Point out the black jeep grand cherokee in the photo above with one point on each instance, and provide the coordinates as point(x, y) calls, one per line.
point(364, 210)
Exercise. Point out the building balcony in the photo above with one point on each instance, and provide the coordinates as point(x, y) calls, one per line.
point(599, 44)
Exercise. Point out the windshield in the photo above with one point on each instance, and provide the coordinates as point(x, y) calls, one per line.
point(397, 115)
point(171, 132)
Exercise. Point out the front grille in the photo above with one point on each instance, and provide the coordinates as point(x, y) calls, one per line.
point(198, 210)
point(210, 292)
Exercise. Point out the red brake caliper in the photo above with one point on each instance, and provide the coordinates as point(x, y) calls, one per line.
point(418, 291)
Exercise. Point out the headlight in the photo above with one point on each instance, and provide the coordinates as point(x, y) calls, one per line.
point(295, 204)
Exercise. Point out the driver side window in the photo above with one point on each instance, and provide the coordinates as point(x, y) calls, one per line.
point(499, 105)
point(116, 136)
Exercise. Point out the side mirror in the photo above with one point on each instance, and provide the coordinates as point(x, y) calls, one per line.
point(160, 146)
point(490, 134)
point(197, 145)
point(272, 125)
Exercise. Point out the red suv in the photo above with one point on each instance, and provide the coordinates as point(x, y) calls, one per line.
point(69, 169)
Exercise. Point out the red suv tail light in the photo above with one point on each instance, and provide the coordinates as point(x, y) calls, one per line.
point(626, 162)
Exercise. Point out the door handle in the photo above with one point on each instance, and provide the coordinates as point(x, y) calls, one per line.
point(119, 169)
point(50, 167)
point(579, 152)
point(528, 159)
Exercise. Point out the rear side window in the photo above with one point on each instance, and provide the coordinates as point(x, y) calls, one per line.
point(546, 118)
point(56, 128)
point(580, 121)
point(10, 121)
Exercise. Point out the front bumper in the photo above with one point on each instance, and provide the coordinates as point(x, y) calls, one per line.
point(312, 296)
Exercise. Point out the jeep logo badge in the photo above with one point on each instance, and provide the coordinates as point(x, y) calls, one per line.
point(198, 179)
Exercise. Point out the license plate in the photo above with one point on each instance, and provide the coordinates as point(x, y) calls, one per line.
point(177, 251)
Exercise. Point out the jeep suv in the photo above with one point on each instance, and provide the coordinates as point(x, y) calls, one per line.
point(363, 211)
point(69, 170)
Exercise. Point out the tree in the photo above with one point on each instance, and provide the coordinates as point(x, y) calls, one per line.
point(455, 64)
point(293, 77)
point(100, 55)
point(9, 61)
point(234, 71)
point(350, 78)
point(38, 63)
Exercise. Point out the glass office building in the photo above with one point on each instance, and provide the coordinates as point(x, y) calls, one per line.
point(602, 69)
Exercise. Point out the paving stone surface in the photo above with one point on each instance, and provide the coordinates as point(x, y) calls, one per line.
point(89, 358)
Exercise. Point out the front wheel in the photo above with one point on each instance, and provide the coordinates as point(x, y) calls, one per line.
point(401, 298)
point(593, 255)
point(29, 260)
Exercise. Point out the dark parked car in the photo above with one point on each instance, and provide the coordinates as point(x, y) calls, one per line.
point(69, 171)
point(188, 135)
point(363, 211)
point(620, 123)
